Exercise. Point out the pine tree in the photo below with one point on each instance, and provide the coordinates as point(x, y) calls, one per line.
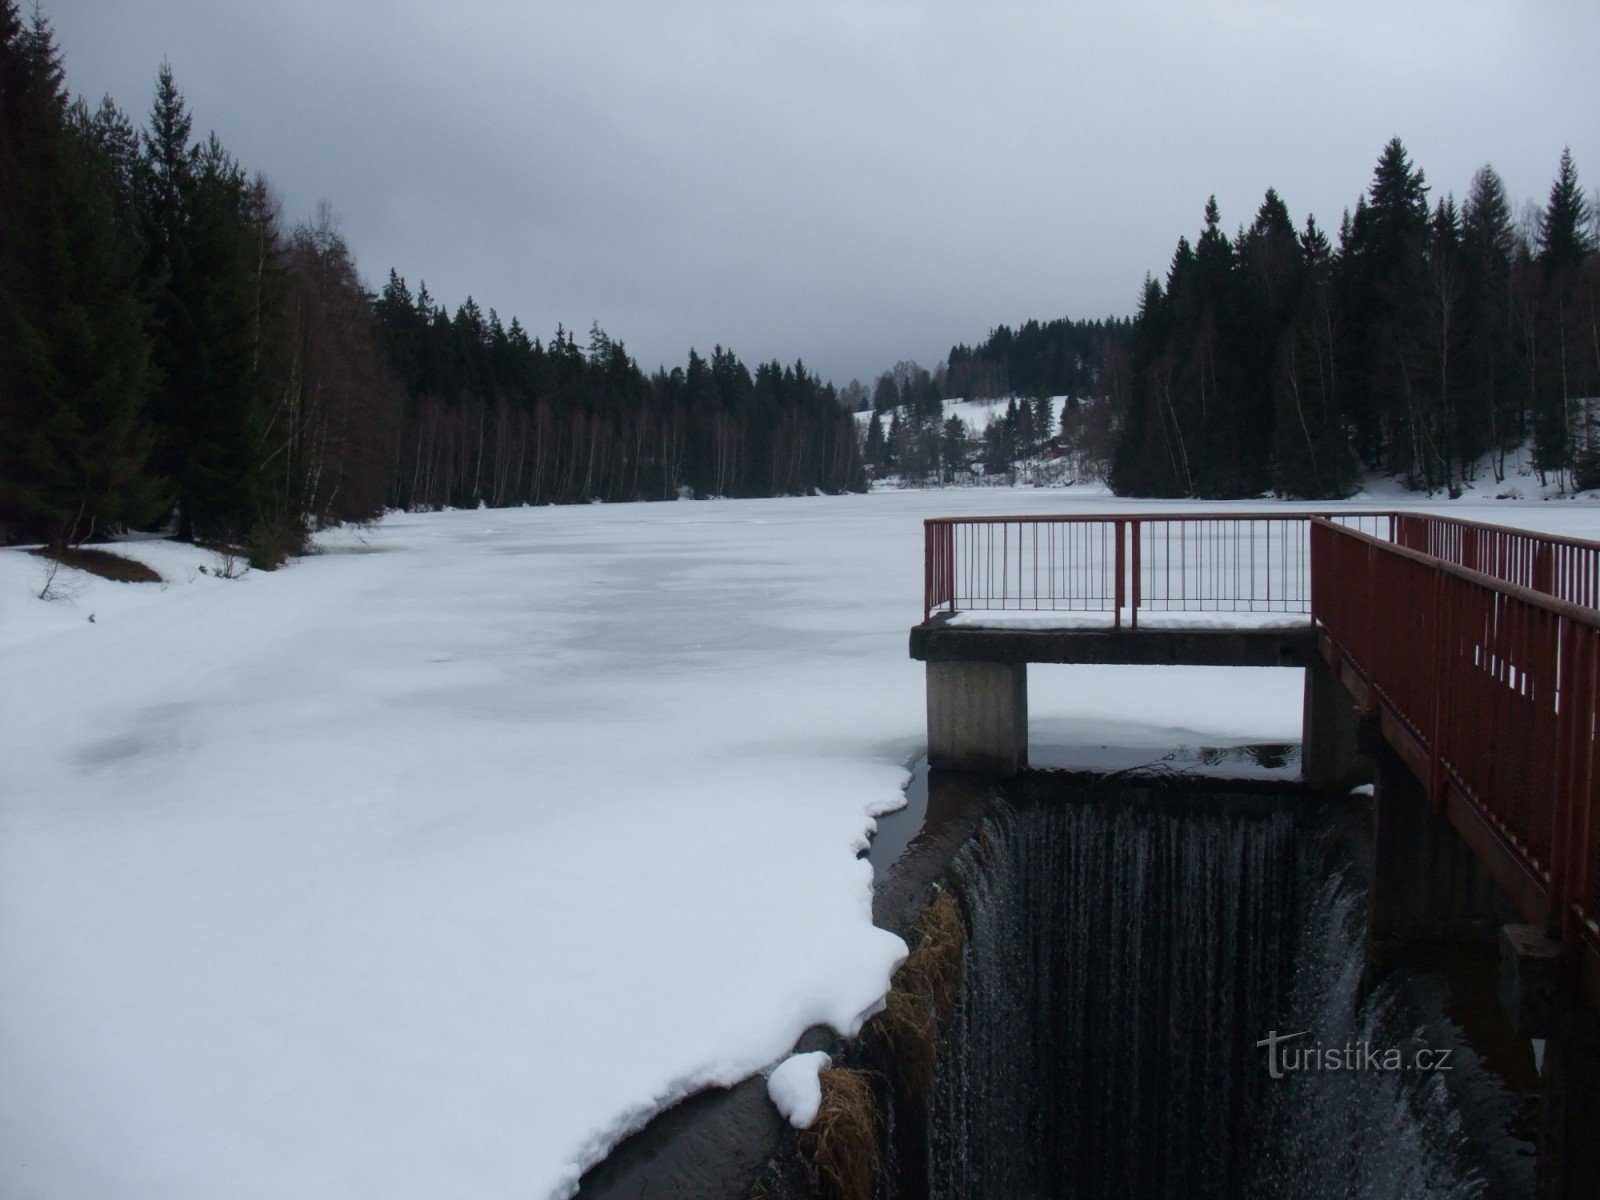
point(74, 360)
point(1384, 263)
point(1445, 424)
point(1311, 447)
point(1564, 237)
point(1565, 375)
point(953, 447)
point(166, 183)
point(874, 450)
point(1044, 422)
point(1208, 375)
point(211, 245)
point(118, 141)
point(1492, 415)
point(1270, 278)
point(1151, 457)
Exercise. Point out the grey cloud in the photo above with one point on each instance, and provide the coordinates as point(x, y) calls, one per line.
point(851, 184)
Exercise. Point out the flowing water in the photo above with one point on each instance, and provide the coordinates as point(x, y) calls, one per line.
point(1128, 948)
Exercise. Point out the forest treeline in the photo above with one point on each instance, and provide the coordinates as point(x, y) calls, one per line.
point(172, 354)
point(1431, 338)
point(1429, 341)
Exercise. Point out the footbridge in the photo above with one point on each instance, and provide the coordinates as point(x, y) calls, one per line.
point(1455, 664)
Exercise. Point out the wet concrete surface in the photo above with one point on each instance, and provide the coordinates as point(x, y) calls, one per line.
point(714, 1144)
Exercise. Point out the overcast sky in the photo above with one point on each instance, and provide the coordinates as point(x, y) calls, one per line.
point(852, 184)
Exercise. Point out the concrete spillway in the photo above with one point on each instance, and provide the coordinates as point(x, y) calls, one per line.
point(1128, 942)
point(1128, 947)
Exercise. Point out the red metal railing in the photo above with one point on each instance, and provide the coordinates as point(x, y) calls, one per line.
point(1494, 683)
point(1234, 562)
point(1125, 563)
point(1557, 566)
point(1479, 645)
point(1063, 564)
point(1209, 562)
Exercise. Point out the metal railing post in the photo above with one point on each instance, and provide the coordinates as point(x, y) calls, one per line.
point(1133, 609)
point(1119, 595)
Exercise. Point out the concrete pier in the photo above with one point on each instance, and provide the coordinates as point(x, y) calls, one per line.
point(978, 681)
point(1569, 1137)
point(1331, 760)
point(1428, 887)
point(978, 717)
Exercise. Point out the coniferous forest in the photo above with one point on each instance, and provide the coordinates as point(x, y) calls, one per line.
point(1428, 340)
point(172, 355)
point(1432, 340)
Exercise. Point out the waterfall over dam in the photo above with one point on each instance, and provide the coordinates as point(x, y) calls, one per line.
point(1129, 945)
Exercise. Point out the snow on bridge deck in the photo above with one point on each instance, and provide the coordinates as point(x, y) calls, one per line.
point(1150, 621)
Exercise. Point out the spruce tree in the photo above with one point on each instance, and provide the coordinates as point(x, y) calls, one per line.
point(1311, 457)
point(1492, 415)
point(166, 185)
point(1563, 431)
point(74, 361)
point(874, 444)
point(212, 247)
point(1435, 406)
point(1151, 455)
point(1270, 277)
point(1564, 237)
point(1385, 264)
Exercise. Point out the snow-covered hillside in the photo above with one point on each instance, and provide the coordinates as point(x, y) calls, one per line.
point(978, 413)
point(432, 865)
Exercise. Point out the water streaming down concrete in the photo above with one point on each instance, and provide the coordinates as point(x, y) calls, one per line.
point(1129, 944)
point(1131, 936)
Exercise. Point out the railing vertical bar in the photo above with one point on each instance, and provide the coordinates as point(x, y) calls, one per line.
point(1137, 537)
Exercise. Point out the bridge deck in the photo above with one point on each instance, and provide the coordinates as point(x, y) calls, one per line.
point(1474, 648)
point(1273, 643)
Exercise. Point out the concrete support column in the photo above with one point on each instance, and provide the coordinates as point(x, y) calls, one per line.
point(1569, 1139)
point(978, 717)
point(1427, 885)
point(1537, 993)
point(1331, 760)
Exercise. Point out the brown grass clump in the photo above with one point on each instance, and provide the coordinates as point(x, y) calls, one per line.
point(923, 994)
point(102, 563)
point(933, 969)
point(842, 1142)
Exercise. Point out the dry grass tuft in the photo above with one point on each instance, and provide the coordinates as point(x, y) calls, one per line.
point(933, 969)
point(842, 1142)
point(103, 563)
point(923, 994)
point(905, 1029)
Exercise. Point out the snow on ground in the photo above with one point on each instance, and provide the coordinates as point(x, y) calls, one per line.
point(795, 1089)
point(77, 596)
point(979, 412)
point(434, 864)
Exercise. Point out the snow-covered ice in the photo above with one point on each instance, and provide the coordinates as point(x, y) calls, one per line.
point(434, 864)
